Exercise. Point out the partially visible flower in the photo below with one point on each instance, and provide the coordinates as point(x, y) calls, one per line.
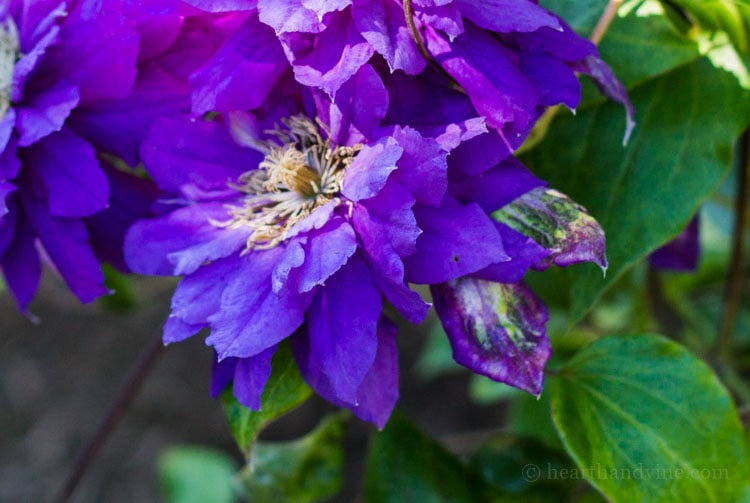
point(682, 253)
point(55, 58)
point(512, 58)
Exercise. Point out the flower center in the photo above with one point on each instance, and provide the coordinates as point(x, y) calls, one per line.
point(9, 53)
point(300, 172)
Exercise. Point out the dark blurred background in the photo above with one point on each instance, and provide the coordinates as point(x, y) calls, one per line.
point(59, 377)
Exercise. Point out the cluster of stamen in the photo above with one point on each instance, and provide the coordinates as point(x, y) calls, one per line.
point(301, 171)
point(9, 53)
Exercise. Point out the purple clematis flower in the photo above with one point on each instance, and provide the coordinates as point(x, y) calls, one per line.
point(303, 231)
point(56, 57)
point(511, 57)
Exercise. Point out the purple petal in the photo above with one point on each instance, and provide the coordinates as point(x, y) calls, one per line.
point(564, 43)
point(558, 224)
point(67, 166)
point(342, 327)
point(7, 127)
point(19, 260)
point(194, 156)
point(250, 319)
point(609, 86)
point(46, 114)
point(487, 72)
point(523, 251)
point(682, 253)
point(223, 5)
point(496, 330)
point(446, 18)
point(423, 167)
point(180, 242)
point(478, 154)
point(131, 199)
point(388, 230)
point(120, 126)
point(67, 245)
point(97, 52)
point(372, 166)
point(378, 393)
point(456, 240)
point(198, 295)
point(323, 7)
point(288, 16)
point(452, 135)
point(555, 82)
point(360, 105)
point(506, 16)
point(250, 377)
point(382, 24)
point(498, 186)
point(38, 29)
point(176, 330)
point(5, 189)
point(252, 54)
point(222, 373)
point(327, 251)
point(10, 165)
point(339, 52)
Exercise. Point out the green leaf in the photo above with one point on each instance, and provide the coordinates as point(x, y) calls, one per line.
point(123, 298)
point(644, 194)
point(581, 15)
point(284, 391)
point(196, 475)
point(484, 390)
point(302, 471)
point(647, 421)
point(730, 16)
point(643, 45)
point(407, 465)
point(530, 417)
point(520, 469)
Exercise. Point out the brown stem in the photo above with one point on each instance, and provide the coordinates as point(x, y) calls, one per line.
point(412, 25)
point(115, 413)
point(733, 289)
point(603, 24)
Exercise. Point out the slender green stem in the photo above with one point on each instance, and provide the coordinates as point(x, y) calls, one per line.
point(110, 421)
point(733, 289)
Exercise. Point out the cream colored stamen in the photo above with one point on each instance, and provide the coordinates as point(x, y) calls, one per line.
point(300, 172)
point(9, 53)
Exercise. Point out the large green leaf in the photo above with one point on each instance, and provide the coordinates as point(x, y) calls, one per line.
point(284, 391)
point(302, 471)
point(195, 475)
point(647, 421)
point(405, 465)
point(645, 193)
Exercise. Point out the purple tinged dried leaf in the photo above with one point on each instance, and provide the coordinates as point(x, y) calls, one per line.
point(558, 224)
point(495, 329)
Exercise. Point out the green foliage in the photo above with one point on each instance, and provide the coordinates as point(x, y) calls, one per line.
point(645, 420)
point(645, 193)
point(122, 298)
point(518, 469)
point(303, 471)
point(729, 16)
point(195, 475)
point(284, 391)
point(405, 465)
